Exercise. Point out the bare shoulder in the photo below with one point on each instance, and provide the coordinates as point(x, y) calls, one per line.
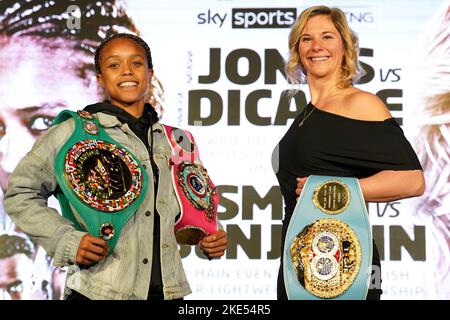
point(364, 105)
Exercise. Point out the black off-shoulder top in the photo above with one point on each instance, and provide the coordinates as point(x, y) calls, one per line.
point(330, 144)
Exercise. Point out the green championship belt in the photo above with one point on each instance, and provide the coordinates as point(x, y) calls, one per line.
point(99, 178)
point(328, 245)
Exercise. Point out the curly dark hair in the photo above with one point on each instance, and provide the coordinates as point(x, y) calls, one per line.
point(15, 244)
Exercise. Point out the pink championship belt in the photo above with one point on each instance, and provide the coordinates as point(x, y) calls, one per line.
point(194, 189)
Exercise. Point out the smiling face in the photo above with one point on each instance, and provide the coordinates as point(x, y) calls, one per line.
point(321, 49)
point(35, 84)
point(124, 74)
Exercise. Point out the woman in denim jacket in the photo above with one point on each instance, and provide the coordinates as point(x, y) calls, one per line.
point(145, 263)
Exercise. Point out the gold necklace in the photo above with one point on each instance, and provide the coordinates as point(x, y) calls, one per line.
point(305, 116)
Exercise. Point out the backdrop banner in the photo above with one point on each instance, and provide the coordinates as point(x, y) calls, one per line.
point(219, 74)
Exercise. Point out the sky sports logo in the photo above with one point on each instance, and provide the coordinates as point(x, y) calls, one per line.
point(259, 18)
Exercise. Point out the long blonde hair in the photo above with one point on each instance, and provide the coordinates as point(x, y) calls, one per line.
point(350, 69)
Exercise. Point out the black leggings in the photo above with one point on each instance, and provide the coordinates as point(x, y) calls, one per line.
point(74, 295)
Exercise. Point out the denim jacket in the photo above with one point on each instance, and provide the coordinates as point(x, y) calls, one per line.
point(125, 273)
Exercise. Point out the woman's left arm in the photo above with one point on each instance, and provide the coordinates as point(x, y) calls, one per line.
point(386, 185)
point(390, 185)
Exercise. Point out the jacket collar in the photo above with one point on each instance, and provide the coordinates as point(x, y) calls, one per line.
point(107, 120)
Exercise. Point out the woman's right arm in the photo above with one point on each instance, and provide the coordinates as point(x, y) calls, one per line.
point(30, 185)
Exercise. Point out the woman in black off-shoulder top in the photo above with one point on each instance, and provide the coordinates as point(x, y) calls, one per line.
point(343, 131)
